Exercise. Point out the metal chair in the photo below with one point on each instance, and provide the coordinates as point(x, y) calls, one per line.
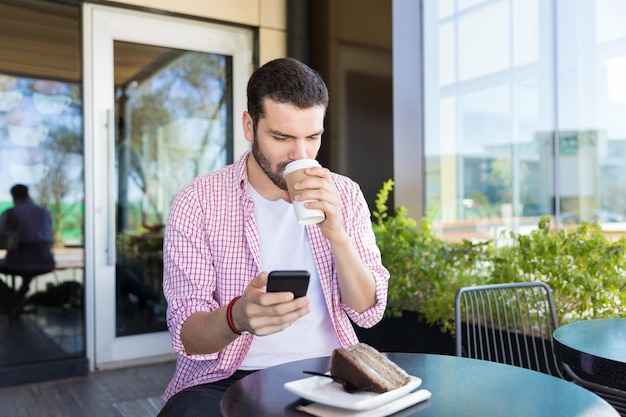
point(513, 323)
point(508, 323)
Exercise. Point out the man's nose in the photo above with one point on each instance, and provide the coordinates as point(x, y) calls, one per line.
point(299, 149)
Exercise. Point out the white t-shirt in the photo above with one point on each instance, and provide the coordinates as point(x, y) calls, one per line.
point(285, 245)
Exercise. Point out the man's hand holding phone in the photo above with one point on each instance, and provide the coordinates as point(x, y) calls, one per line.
point(293, 281)
point(261, 313)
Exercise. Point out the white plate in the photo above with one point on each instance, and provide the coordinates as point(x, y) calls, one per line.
point(324, 391)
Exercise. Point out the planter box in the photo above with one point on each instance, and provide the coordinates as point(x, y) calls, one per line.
point(409, 333)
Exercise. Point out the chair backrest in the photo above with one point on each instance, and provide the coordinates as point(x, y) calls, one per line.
point(508, 323)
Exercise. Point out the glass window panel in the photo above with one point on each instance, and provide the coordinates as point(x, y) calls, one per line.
point(490, 129)
point(174, 109)
point(610, 16)
point(446, 8)
point(41, 146)
point(487, 148)
point(466, 4)
point(526, 32)
point(447, 54)
point(592, 101)
point(487, 134)
point(485, 116)
point(484, 41)
point(445, 158)
point(615, 86)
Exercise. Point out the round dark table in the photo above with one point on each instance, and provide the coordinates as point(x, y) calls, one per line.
point(459, 386)
point(595, 350)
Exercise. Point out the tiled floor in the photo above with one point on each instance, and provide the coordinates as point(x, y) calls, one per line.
point(49, 334)
point(111, 393)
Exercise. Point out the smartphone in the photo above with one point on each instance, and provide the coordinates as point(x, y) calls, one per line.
point(296, 282)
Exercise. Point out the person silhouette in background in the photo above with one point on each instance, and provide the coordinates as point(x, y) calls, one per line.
point(27, 228)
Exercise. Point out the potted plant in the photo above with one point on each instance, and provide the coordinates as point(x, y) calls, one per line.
point(585, 270)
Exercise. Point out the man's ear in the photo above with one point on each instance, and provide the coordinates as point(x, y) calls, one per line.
point(248, 126)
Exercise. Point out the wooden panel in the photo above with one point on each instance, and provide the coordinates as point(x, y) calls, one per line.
point(43, 40)
point(238, 11)
point(40, 40)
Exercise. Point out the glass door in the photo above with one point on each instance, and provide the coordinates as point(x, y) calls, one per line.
point(41, 152)
point(167, 96)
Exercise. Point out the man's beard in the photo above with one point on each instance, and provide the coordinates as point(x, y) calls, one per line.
point(266, 166)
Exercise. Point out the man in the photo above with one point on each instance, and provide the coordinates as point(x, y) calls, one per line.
point(228, 229)
point(27, 229)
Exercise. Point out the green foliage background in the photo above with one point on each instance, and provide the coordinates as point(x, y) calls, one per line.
point(585, 270)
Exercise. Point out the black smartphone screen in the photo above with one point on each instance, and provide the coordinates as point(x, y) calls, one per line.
point(296, 282)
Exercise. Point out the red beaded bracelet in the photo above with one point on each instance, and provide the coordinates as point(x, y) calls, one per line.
point(229, 315)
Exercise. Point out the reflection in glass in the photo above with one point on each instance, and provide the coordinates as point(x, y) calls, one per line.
point(592, 102)
point(174, 113)
point(514, 131)
point(41, 146)
point(482, 158)
point(484, 41)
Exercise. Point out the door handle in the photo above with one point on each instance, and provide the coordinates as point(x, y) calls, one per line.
point(110, 170)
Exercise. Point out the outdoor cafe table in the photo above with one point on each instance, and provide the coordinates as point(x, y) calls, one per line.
point(459, 386)
point(595, 350)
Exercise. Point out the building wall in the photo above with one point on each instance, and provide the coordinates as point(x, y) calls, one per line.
point(269, 16)
point(351, 46)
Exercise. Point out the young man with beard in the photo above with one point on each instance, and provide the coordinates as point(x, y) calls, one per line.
point(226, 230)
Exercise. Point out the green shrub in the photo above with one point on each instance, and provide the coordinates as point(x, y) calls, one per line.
point(585, 270)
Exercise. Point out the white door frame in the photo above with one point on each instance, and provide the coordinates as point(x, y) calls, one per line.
point(101, 26)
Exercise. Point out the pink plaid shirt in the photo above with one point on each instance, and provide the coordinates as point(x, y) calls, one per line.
point(211, 253)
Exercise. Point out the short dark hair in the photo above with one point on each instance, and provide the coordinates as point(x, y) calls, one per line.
point(19, 192)
point(285, 80)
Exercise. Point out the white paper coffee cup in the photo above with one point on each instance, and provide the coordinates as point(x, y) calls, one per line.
point(294, 172)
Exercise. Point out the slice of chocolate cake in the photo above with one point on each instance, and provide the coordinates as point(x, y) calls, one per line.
point(364, 366)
